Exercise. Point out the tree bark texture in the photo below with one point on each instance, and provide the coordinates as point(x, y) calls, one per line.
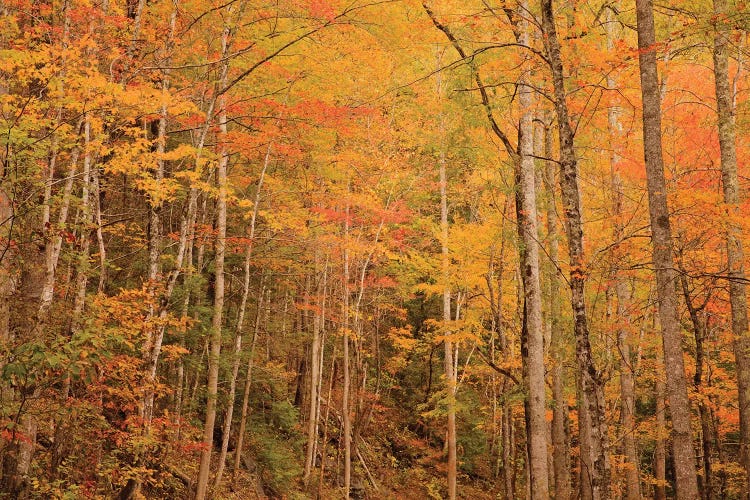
point(663, 260)
point(526, 210)
point(591, 383)
point(735, 254)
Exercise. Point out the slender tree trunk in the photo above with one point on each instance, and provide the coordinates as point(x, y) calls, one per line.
point(227, 427)
point(85, 229)
point(324, 444)
point(154, 219)
point(560, 449)
point(153, 343)
point(97, 206)
point(585, 457)
point(241, 320)
point(450, 375)
point(347, 424)
point(627, 393)
point(508, 443)
point(679, 405)
point(699, 332)
point(627, 379)
point(592, 385)
point(534, 371)
point(660, 453)
point(248, 385)
point(216, 325)
point(315, 377)
point(52, 251)
point(735, 254)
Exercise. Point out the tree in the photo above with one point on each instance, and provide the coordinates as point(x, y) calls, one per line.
point(591, 379)
point(622, 291)
point(735, 259)
point(663, 261)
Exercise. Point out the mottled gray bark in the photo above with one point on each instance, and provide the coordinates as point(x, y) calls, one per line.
point(735, 253)
point(534, 369)
point(661, 238)
point(590, 378)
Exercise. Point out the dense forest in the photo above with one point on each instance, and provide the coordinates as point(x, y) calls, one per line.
point(374, 249)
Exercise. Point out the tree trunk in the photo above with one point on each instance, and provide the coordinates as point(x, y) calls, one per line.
point(735, 254)
point(699, 332)
point(627, 378)
point(315, 377)
point(534, 370)
point(591, 383)
point(560, 448)
point(216, 325)
point(240, 323)
point(347, 424)
point(660, 453)
point(585, 458)
point(248, 385)
point(450, 375)
point(661, 237)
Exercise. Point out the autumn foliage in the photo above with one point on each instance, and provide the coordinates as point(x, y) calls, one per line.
point(221, 236)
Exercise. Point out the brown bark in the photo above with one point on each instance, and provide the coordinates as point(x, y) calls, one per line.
point(735, 254)
point(591, 382)
point(705, 480)
point(661, 237)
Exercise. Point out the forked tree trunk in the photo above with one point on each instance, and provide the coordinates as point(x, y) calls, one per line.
point(699, 332)
point(661, 238)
